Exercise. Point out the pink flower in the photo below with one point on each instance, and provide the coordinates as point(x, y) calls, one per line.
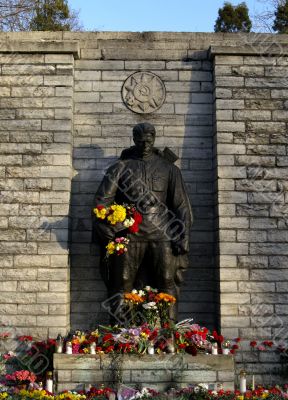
point(261, 348)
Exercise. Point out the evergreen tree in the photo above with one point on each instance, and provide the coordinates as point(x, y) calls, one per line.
point(233, 18)
point(281, 18)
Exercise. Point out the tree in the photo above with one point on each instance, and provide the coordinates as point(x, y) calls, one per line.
point(36, 15)
point(264, 18)
point(281, 18)
point(233, 18)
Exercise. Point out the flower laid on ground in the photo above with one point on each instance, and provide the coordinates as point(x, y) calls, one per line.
point(21, 376)
point(25, 338)
point(146, 305)
point(5, 335)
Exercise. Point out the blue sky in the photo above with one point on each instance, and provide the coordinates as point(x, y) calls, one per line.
point(152, 15)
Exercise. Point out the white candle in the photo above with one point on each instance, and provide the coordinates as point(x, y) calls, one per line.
point(68, 348)
point(49, 382)
point(214, 349)
point(253, 383)
point(151, 350)
point(111, 396)
point(242, 382)
point(93, 348)
point(59, 348)
point(225, 351)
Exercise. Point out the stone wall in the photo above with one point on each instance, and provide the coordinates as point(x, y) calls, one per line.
point(159, 372)
point(224, 116)
point(36, 168)
point(251, 151)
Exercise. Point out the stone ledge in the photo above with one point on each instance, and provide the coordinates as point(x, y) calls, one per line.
point(41, 46)
point(257, 49)
point(157, 371)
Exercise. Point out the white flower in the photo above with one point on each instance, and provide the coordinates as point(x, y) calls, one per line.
point(147, 288)
point(150, 306)
point(141, 293)
point(134, 291)
point(128, 222)
point(203, 386)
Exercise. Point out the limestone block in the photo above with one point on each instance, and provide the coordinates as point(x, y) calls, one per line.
point(231, 172)
point(14, 80)
point(233, 248)
point(256, 287)
point(109, 65)
point(278, 261)
point(59, 59)
point(229, 104)
point(12, 125)
point(52, 298)
point(18, 298)
point(88, 76)
point(58, 80)
point(269, 248)
point(32, 91)
point(28, 69)
point(229, 81)
point(52, 274)
point(249, 93)
point(253, 115)
point(222, 93)
point(33, 286)
point(20, 148)
point(32, 309)
point(51, 320)
point(228, 60)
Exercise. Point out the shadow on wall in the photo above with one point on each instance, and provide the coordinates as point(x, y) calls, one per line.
point(199, 296)
point(87, 288)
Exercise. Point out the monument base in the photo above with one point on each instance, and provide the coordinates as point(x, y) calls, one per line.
point(159, 372)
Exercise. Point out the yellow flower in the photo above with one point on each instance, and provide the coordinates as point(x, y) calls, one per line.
point(110, 247)
point(100, 213)
point(3, 395)
point(118, 214)
point(86, 351)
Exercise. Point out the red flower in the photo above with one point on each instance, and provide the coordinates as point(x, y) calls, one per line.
point(232, 351)
point(182, 345)
point(237, 340)
point(25, 338)
point(253, 343)
point(177, 335)
point(107, 337)
point(268, 343)
point(100, 207)
point(235, 347)
point(220, 339)
point(137, 217)
point(134, 228)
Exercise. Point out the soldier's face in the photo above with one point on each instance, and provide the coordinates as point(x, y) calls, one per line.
point(144, 143)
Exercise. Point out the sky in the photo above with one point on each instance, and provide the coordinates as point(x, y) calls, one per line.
point(153, 15)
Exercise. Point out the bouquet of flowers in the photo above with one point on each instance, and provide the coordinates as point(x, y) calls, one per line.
point(147, 305)
point(124, 215)
point(22, 376)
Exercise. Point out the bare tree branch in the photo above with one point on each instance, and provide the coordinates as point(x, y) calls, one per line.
point(263, 20)
point(16, 15)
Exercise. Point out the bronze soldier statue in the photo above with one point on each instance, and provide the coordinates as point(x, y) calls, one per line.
point(158, 253)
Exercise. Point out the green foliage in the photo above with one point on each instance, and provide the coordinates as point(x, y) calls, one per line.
point(51, 15)
point(233, 18)
point(281, 18)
